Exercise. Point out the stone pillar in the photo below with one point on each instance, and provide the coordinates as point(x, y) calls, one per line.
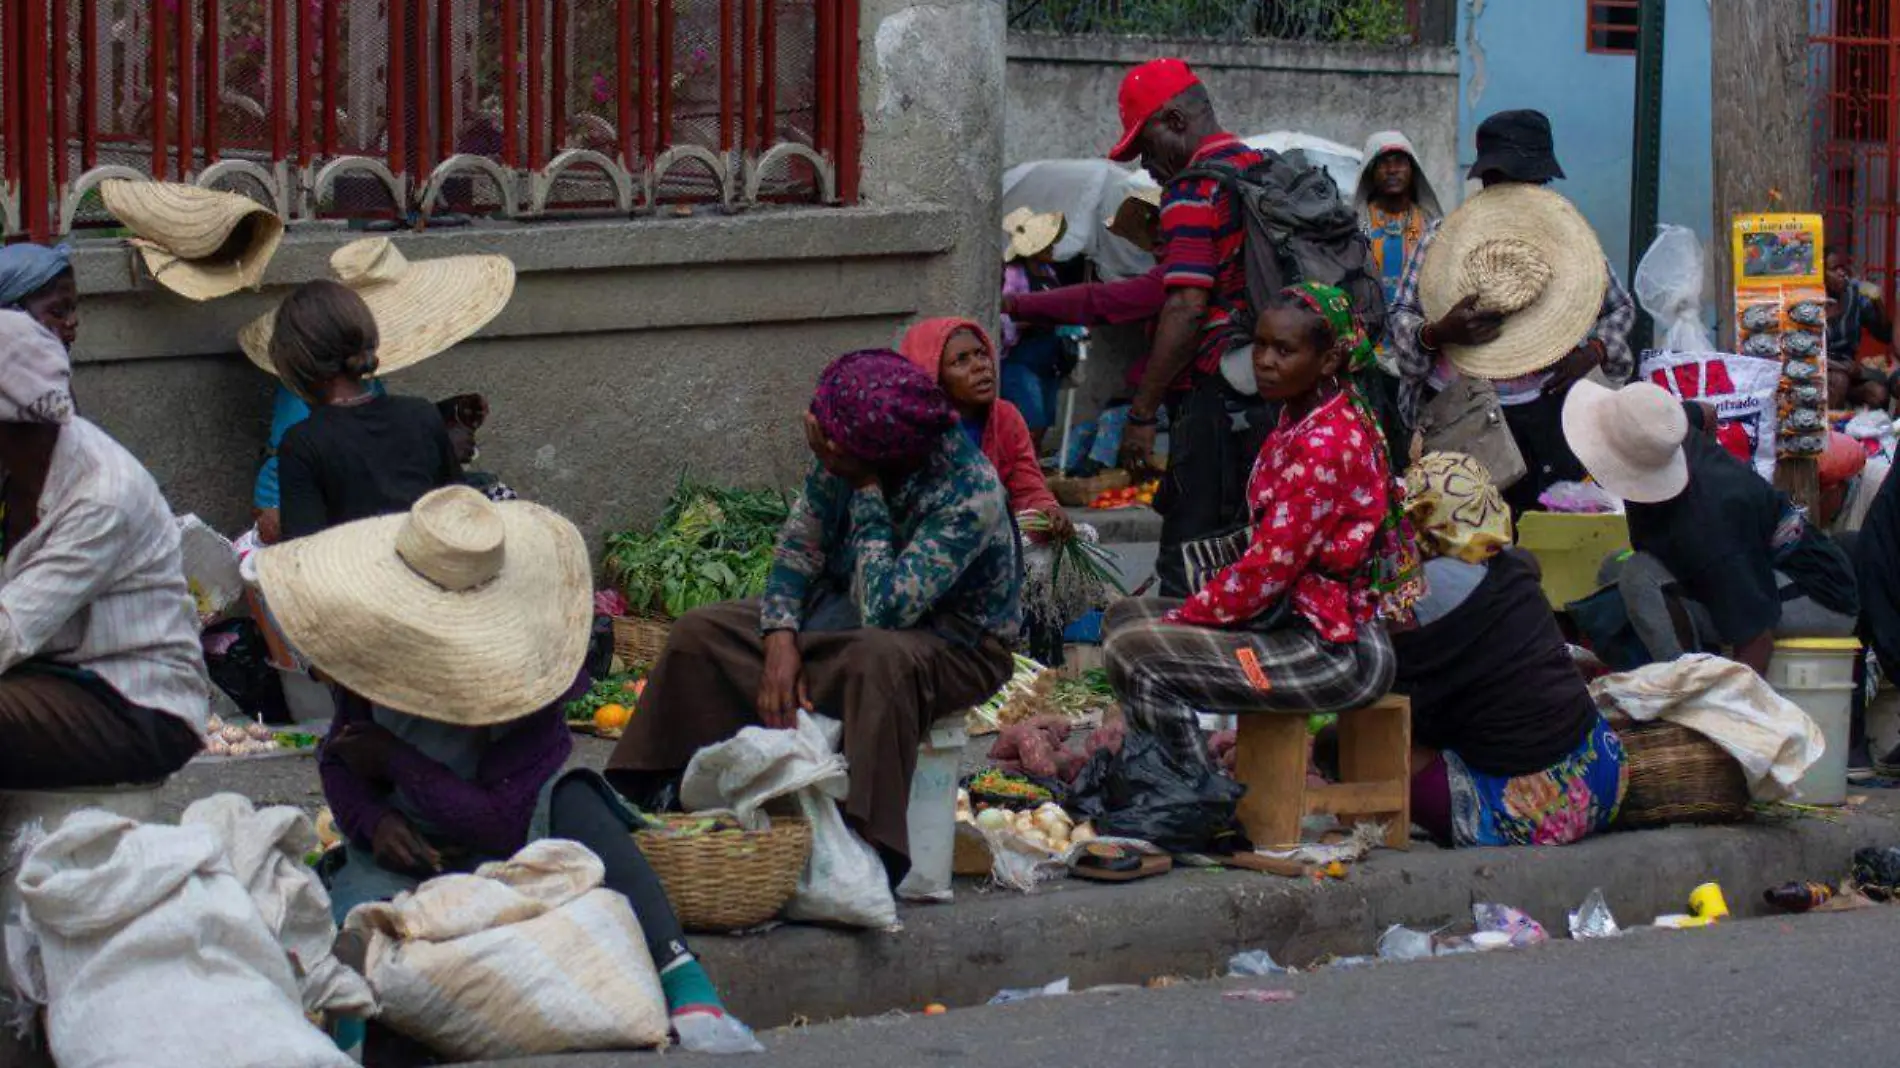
point(931, 93)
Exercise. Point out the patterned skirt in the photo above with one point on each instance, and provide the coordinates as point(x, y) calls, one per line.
point(1572, 799)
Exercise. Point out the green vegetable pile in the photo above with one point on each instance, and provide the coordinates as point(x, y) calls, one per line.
point(612, 690)
point(712, 544)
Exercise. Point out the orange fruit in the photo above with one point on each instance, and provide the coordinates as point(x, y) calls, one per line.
point(611, 717)
point(935, 1010)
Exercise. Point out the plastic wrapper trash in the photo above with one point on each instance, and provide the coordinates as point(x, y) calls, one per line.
point(1518, 927)
point(702, 1032)
point(1579, 498)
point(1253, 964)
point(1403, 943)
point(1055, 989)
point(1593, 920)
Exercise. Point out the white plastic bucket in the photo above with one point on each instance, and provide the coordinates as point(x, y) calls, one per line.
point(933, 813)
point(1818, 675)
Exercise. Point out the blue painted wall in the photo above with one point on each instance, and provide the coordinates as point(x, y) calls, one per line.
point(1532, 54)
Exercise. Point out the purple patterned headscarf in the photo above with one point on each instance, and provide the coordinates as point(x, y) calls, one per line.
point(881, 408)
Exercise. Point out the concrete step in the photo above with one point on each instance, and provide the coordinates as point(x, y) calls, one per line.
point(1189, 923)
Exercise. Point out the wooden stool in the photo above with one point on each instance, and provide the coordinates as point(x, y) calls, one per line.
point(1375, 755)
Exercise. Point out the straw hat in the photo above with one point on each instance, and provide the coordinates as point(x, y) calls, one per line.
point(198, 243)
point(463, 611)
point(1629, 439)
point(1131, 219)
point(421, 307)
point(1526, 252)
point(1031, 233)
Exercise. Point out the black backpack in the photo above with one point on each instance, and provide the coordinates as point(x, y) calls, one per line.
point(1298, 230)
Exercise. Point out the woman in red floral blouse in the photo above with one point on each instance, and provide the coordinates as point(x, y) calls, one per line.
point(1296, 623)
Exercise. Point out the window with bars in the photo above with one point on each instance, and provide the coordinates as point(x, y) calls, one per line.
point(1612, 26)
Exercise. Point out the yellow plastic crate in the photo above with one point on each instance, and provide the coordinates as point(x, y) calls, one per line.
point(1571, 550)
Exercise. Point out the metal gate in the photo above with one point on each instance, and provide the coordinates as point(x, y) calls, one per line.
point(1856, 84)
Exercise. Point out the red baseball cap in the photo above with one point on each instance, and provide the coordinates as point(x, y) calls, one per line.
point(1144, 90)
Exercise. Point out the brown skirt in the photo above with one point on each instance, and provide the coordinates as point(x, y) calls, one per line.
point(887, 686)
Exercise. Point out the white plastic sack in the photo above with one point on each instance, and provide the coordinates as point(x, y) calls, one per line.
point(1668, 284)
point(526, 956)
point(266, 850)
point(1742, 389)
point(147, 951)
point(845, 882)
point(1769, 735)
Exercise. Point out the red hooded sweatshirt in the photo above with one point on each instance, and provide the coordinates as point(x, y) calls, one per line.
point(1006, 441)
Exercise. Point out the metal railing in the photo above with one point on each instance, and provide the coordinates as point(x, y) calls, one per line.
point(404, 108)
point(1383, 23)
point(1854, 72)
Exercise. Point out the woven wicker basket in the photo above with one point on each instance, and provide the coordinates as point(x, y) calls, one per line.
point(1678, 776)
point(1078, 492)
point(729, 880)
point(640, 639)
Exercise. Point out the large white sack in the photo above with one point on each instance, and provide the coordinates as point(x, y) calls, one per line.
point(148, 953)
point(526, 956)
point(267, 849)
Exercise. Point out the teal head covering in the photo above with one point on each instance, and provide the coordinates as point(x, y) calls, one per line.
point(26, 269)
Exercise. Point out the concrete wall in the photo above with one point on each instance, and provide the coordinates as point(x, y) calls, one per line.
point(1062, 94)
point(632, 348)
point(1523, 55)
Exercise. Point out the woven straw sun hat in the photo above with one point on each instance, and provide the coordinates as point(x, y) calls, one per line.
point(1629, 439)
point(1131, 219)
point(1526, 252)
point(463, 611)
point(198, 243)
point(1031, 233)
point(421, 307)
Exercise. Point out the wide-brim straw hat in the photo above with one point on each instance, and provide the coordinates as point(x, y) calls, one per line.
point(1526, 252)
point(1031, 233)
point(421, 307)
point(464, 611)
point(1629, 439)
point(198, 243)
point(1131, 221)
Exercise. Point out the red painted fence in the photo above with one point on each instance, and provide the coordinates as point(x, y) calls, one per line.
point(1856, 82)
point(394, 108)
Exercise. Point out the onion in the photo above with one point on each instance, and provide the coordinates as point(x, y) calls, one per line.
point(1082, 834)
point(993, 819)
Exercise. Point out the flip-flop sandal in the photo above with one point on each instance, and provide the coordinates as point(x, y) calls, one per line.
point(1113, 864)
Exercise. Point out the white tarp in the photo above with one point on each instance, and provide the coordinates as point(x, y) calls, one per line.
point(1087, 192)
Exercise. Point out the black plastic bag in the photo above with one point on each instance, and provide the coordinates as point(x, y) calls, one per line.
point(241, 668)
point(1877, 872)
point(1144, 792)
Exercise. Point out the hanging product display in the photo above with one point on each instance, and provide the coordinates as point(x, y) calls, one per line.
point(1781, 315)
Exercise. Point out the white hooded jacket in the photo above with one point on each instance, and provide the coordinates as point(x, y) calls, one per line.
point(1378, 145)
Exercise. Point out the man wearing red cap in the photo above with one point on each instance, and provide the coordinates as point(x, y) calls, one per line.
point(1168, 123)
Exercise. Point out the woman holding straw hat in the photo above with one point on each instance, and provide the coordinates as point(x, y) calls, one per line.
point(1032, 357)
point(457, 631)
point(1508, 747)
point(892, 601)
point(1513, 288)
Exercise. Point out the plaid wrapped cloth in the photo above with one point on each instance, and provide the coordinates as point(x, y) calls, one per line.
point(1165, 673)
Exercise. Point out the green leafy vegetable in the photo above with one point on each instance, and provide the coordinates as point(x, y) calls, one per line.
point(612, 690)
point(712, 544)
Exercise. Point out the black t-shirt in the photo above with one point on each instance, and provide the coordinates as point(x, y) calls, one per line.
point(1492, 680)
point(1717, 538)
point(349, 462)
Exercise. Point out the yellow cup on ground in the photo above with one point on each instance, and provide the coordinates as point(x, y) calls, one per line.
point(1706, 902)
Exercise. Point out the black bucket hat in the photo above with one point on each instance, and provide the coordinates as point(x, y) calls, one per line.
point(1518, 145)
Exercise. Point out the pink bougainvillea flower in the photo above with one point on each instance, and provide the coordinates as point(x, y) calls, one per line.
point(603, 89)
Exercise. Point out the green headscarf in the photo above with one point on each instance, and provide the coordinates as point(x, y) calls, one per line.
point(1397, 572)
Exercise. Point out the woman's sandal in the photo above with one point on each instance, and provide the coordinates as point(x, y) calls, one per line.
point(1107, 863)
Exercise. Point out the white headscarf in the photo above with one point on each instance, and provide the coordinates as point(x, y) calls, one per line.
point(36, 374)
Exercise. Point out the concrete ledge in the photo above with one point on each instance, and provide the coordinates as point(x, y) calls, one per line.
point(1245, 55)
point(1189, 923)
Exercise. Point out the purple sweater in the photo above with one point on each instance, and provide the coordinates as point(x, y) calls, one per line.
point(489, 814)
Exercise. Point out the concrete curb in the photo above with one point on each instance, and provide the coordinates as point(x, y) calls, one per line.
point(1189, 923)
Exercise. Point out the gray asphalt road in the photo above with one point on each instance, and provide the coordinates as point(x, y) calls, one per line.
point(1806, 990)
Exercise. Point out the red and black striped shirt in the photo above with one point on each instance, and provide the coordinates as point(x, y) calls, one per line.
point(1203, 236)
